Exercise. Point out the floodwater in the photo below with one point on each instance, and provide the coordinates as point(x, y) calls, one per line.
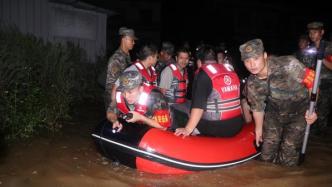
point(70, 159)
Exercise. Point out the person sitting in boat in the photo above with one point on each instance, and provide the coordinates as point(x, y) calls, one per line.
point(174, 78)
point(215, 108)
point(146, 104)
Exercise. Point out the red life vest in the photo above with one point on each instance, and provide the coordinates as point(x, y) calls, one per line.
point(162, 116)
point(149, 78)
point(177, 92)
point(224, 100)
point(140, 107)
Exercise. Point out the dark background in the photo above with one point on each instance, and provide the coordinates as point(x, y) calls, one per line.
point(277, 23)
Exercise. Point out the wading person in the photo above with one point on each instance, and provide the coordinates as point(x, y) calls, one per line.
point(323, 51)
point(278, 94)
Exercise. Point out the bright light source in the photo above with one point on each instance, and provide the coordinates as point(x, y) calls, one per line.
point(311, 50)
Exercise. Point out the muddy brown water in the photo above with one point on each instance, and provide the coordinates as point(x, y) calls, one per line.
point(70, 159)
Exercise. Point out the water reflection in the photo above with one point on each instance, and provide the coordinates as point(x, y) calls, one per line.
point(70, 159)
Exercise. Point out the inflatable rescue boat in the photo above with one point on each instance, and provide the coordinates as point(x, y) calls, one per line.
point(156, 151)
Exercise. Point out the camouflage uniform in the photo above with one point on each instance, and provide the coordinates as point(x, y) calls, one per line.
point(325, 88)
point(306, 58)
point(116, 65)
point(284, 99)
point(156, 100)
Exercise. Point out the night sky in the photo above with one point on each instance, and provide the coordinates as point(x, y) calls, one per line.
point(212, 21)
point(277, 23)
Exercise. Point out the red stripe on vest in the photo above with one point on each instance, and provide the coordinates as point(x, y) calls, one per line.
point(182, 83)
point(150, 79)
point(139, 107)
point(227, 84)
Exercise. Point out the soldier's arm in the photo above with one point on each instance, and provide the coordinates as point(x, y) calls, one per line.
point(301, 74)
point(259, 119)
point(113, 94)
point(111, 116)
point(148, 121)
point(113, 72)
point(257, 92)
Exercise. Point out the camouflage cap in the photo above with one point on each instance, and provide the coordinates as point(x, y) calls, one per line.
point(315, 25)
point(251, 48)
point(124, 31)
point(129, 80)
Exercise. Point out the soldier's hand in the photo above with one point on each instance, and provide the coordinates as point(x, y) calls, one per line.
point(259, 136)
point(136, 117)
point(310, 119)
point(117, 125)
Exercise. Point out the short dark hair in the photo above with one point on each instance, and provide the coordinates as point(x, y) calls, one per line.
point(147, 50)
point(167, 47)
point(205, 52)
point(183, 50)
point(221, 48)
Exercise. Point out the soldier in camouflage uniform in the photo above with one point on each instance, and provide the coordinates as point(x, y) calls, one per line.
point(324, 50)
point(148, 106)
point(277, 91)
point(147, 58)
point(118, 62)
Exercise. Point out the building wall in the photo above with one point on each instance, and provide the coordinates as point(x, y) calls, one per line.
point(86, 28)
point(57, 23)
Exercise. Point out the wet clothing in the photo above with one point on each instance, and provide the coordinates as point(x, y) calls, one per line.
point(209, 125)
point(283, 136)
point(116, 65)
point(284, 98)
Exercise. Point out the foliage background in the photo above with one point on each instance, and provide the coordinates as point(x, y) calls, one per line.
point(40, 83)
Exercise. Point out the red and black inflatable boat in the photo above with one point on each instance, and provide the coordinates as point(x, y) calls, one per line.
point(156, 151)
